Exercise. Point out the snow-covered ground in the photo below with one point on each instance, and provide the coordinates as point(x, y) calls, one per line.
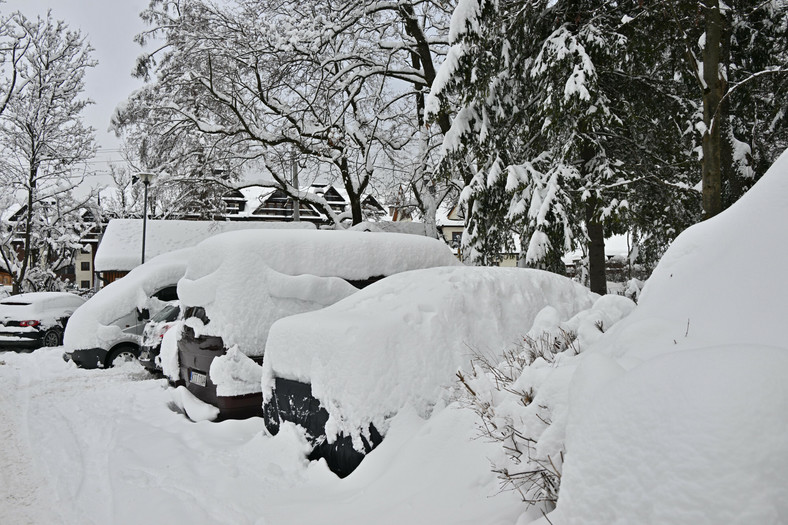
point(674, 414)
point(104, 447)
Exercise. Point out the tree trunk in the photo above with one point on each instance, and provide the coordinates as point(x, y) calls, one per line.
point(596, 249)
point(19, 278)
point(415, 31)
point(353, 195)
point(713, 92)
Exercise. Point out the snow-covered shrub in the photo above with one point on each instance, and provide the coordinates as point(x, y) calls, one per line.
point(521, 396)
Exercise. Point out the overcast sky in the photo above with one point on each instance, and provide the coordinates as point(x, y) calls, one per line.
point(110, 26)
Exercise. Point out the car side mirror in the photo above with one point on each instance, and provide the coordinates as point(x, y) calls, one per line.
point(143, 314)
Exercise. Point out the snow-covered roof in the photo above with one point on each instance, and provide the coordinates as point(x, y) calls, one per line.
point(398, 341)
point(256, 196)
point(615, 246)
point(446, 215)
point(246, 280)
point(9, 212)
point(121, 245)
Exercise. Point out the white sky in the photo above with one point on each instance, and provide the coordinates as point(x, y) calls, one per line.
point(110, 26)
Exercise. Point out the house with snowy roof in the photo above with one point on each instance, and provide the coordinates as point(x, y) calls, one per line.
point(269, 203)
point(450, 222)
point(120, 249)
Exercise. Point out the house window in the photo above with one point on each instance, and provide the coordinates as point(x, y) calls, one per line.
point(456, 239)
point(84, 284)
point(84, 266)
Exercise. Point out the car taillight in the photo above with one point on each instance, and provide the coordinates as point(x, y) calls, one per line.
point(29, 323)
point(164, 330)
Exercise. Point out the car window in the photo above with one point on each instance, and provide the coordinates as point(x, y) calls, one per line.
point(169, 293)
point(14, 303)
point(169, 313)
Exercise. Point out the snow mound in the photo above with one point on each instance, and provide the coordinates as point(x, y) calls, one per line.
point(399, 341)
point(91, 326)
point(687, 421)
point(234, 374)
point(247, 280)
point(691, 437)
point(194, 408)
point(720, 280)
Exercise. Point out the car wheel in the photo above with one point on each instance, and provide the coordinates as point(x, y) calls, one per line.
point(51, 338)
point(122, 354)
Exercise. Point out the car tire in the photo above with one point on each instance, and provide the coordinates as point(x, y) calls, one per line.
point(122, 354)
point(51, 338)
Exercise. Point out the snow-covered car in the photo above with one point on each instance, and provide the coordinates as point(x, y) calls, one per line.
point(108, 328)
point(237, 284)
point(36, 319)
point(344, 371)
point(154, 332)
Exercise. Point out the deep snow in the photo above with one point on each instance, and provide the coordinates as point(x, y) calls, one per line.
point(104, 447)
point(675, 414)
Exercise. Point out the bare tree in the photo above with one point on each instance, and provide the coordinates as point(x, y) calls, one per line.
point(43, 140)
point(336, 86)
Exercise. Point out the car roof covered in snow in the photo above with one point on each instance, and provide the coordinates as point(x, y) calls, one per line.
point(351, 255)
point(41, 297)
point(246, 280)
point(121, 245)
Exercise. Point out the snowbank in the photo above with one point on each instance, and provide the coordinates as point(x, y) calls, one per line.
point(92, 326)
point(721, 281)
point(690, 437)
point(122, 240)
point(687, 421)
point(399, 341)
point(247, 280)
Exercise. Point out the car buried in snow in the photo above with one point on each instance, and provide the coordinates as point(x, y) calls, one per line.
point(107, 330)
point(238, 284)
point(33, 320)
point(343, 372)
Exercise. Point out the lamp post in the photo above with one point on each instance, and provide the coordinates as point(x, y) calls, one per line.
point(146, 179)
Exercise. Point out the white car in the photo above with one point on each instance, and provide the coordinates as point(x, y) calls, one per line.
point(36, 319)
point(108, 329)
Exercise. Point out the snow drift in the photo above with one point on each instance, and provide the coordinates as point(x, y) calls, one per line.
point(687, 422)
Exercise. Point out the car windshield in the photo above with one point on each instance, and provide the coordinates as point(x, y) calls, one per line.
point(169, 313)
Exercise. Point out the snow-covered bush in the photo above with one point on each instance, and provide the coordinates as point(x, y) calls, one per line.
point(521, 395)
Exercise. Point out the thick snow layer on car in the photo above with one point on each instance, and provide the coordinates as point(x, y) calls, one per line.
point(91, 325)
point(247, 280)
point(397, 342)
point(120, 245)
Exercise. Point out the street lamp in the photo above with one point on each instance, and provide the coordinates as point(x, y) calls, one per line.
point(146, 179)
